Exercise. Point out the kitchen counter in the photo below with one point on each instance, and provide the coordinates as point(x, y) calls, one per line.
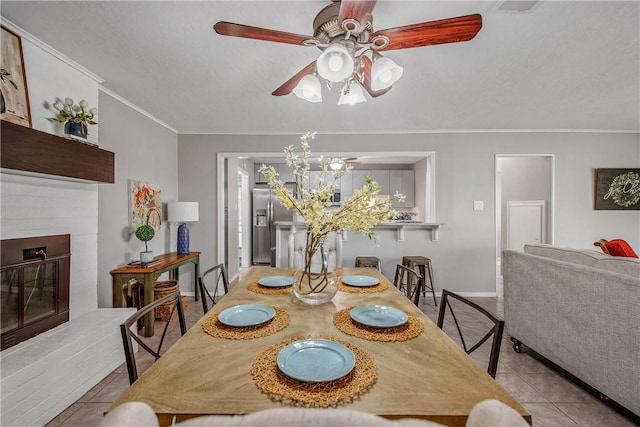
point(284, 228)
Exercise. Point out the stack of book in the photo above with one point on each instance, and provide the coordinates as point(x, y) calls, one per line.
point(140, 264)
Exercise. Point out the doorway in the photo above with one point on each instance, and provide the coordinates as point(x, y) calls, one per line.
point(244, 207)
point(525, 186)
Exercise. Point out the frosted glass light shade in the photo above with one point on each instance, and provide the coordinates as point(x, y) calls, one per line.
point(335, 64)
point(384, 73)
point(308, 88)
point(182, 211)
point(354, 95)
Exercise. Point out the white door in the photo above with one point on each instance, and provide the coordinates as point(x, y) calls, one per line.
point(526, 223)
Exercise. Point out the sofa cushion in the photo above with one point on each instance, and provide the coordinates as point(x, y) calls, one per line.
point(619, 247)
point(576, 256)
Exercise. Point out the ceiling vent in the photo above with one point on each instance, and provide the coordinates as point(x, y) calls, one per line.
point(515, 6)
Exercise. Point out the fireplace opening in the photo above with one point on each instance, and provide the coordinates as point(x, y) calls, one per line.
point(34, 286)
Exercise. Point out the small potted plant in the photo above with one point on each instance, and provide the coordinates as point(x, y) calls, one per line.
point(145, 233)
point(76, 117)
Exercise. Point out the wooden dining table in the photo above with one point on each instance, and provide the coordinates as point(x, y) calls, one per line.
point(427, 377)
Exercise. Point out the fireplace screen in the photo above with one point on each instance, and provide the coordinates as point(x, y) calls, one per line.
point(34, 286)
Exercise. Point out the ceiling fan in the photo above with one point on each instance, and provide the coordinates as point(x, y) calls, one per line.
point(351, 48)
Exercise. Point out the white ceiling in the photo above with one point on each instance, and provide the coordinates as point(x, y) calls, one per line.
point(565, 65)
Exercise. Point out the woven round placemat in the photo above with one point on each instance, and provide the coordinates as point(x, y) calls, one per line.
point(212, 326)
point(279, 387)
point(380, 287)
point(259, 289)
point(343, 321)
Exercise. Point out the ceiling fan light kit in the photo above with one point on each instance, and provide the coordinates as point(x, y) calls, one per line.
point(309, 89)
point(384, 73)
point(336, 63)
point(351, 48)
point(351, 94)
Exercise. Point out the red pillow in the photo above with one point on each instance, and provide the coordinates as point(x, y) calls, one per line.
point(619, 247)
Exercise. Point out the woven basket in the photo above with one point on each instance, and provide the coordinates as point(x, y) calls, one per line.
point(164, 288)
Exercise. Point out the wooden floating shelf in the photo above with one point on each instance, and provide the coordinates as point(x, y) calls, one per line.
point(29, 150)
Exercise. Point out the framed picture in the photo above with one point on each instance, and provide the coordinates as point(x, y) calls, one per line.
point(617, 189)
point(14, 101)
point(145, 204)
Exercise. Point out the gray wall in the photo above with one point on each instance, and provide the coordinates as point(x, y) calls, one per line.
point(144, 151)
point(464, 165)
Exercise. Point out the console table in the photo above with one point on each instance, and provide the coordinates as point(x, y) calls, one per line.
point(148, 275)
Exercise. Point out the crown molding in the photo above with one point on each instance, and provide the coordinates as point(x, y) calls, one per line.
point(45, 47)
point(136, 108)
point(409, 132)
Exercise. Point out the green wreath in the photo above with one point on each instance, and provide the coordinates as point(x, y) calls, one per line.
point(625, 189)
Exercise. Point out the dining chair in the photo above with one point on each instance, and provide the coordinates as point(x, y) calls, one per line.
point(215, 275)
point(409, 282)
point(129, 335)
point(496, 330)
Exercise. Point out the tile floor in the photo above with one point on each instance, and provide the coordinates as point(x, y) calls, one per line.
point(551, 399)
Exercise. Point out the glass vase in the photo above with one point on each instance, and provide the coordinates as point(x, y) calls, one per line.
point(315, 283)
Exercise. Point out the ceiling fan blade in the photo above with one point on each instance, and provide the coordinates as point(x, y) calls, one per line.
point(246, 31)
point(452, 30)
point(290, 84)
point(356, 10)
point(366, 83)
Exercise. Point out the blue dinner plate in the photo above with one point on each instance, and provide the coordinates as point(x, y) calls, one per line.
point(276, 281)
point(361, 281)
point(378, 316)
point(316, 360)
point(241, 316)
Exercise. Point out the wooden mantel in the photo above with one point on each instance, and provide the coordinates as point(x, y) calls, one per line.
point(29, 150)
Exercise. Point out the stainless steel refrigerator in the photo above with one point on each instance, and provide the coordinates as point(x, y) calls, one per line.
point(266, 209)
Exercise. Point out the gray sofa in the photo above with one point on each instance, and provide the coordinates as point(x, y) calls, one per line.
point(580, 309)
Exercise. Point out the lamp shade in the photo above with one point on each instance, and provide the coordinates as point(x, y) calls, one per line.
point(335, 64)
point(308, 88)
point(351, 94)
point(384, 73)
point(182, 211)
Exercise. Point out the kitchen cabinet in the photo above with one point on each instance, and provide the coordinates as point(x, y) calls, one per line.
point(314, 179)
point(382, 178)
point(285, 172)
point(403, 181)
point(258, 177)
point(346, 186)
point(358, 179)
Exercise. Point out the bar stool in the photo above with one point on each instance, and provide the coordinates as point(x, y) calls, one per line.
point(368, 261)
point(424, 266)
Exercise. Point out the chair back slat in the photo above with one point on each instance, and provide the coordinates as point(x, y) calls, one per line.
point(409, 282)
point(496, 330)
point(129, 336)
point(213, 277)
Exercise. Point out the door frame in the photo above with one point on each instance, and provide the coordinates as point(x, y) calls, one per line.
point(498, 209)
point(221, 191)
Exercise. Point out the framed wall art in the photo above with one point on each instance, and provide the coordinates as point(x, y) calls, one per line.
point(617, 189)
point(145, 204)
point(14, 97)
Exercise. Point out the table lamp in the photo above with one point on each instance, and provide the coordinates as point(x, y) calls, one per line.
point(182, 212)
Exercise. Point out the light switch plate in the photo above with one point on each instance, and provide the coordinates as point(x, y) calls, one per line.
point(478, 205)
